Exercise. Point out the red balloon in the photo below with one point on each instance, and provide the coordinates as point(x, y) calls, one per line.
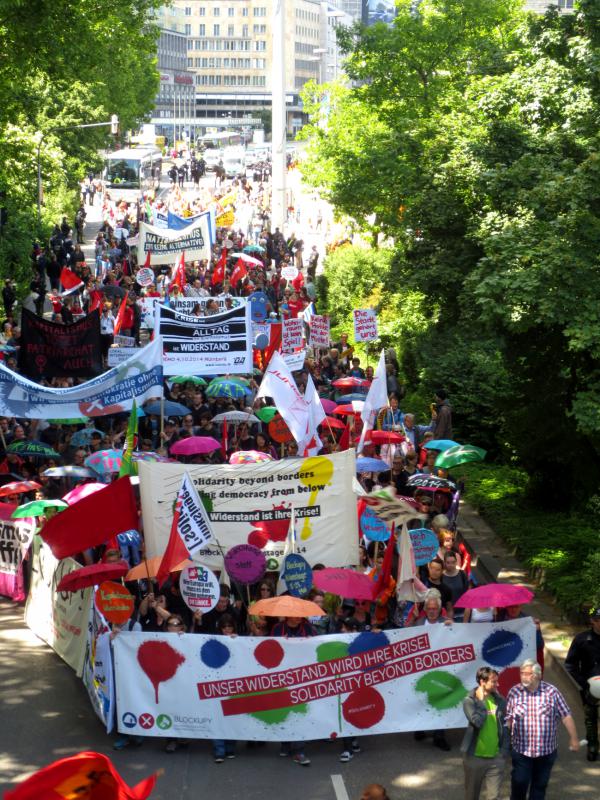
point(364, 708)
point(269, 653)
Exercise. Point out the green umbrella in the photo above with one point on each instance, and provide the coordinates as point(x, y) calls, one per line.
point(71, 421)
point(266, 414)
point(32, 449)
point(460, 454)
point(235, 378)
point(36, 508)
point(195, 379)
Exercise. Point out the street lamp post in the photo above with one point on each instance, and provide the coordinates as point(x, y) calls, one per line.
point(114, 129)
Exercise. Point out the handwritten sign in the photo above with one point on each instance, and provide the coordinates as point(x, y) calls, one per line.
point(297, 574)
point(373, 527)
point(114, 602)
point(199, 588)
point(289, 273)
point(245, 563)
point(292, 334)
point(425, 545)
point(319, 331)
point(365, 325)
point(295, 361)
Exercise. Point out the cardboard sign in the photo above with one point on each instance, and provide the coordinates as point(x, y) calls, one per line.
point(425, 545)
point(145, 276)
point(297, 574)
point(114, 602)
point(199, 588)
point(295, 361)
point(365, 325)
point(319, 331)
point(279, 431)
point(292, 331)
point(245, 563)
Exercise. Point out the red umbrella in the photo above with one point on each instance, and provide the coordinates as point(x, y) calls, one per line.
point(332, 422)
point(350, 409)
point(344, 582)
point(350, 383)
point(384, 437)
point(92, 576)
point(195, 445)
point(19, 487)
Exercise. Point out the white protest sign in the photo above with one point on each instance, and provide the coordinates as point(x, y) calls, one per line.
point(319, 331)
point(194, 523)
point(199, 588)
point(289, 273)
point(295, 361)
point(123, 341)
point(365, 325)
point(291, 334)
point(117, 355)
point(145, 276)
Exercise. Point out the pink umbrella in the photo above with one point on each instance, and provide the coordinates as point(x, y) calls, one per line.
point(498, 595)
point(249, 457)
point(344, 582)
point(328, 405)
point(81, 491)
point(195, 445)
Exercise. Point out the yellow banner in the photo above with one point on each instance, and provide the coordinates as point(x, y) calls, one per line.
point(226, 219)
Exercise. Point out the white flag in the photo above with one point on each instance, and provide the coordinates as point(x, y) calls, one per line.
point(376, 399)
point(279, 384)
point(316, 415)
point(194, 524)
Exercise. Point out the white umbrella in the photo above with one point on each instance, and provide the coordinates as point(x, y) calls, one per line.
point(248, 259)
point(236, 416)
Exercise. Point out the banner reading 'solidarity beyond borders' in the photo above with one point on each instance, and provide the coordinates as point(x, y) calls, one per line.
point(252, 504)
point(216, 345)
point(166, 245)
point(138, 377)
point(274, 689)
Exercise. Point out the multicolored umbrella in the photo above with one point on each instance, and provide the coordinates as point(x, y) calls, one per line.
point(32, 449)
point(92, 575)
point(69, 471)
point(83, 438)
point(36, 508)
point(266, 413)
point(495, 595)
point(371, 465)
point(150, 456)
point(195, 379)
point(344, 583)
point(105, 461)
point(19, 487)
point(461, 454)
point(286, 606)
point(249, 457)
point(350, 382)
point(195, 445)
point(81, 491)
point(431, 483)
point(223, 387)
point(236, 416)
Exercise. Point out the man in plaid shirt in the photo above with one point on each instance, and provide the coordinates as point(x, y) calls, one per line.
point(532, 713)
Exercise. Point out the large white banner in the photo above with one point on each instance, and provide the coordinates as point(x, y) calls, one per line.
point(98, 669)
point(138, 377)
point(166, 245)
point(271, 689)
point(148, 305)
point(60, 620)
point(252, 504)
point(217, 345)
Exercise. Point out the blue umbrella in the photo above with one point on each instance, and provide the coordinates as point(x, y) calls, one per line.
point(440, 444)
point(371, 465)
point(227, 388)
point(84, 437)
point(170, 409)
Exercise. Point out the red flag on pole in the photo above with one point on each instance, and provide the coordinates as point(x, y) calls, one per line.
point(148, 259)
point(91, 775)
point(120, 315)
point(344, 440)
point(218, 275)
point(239, 273)
point(386, 567)
point(70, 281)
point(92, 520)
point(179, 276)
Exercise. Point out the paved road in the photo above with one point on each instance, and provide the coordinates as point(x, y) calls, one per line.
point(46, 716)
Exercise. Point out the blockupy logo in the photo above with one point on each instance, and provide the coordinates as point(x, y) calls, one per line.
point(164, 722)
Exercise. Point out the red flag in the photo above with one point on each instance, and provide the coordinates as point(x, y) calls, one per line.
point(275, 333)
point(92, 520)
point(239, 273)
point(386, 567)
point(70, 281)
point(120, 315)
point(179, 276)
point(224, 439)
point(91, 775)
point(218, 275)
point(148, 259)
point(95, 301)
point(344, 440)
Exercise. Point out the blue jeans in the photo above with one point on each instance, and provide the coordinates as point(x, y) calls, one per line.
point(223, 747)
point(530, 773)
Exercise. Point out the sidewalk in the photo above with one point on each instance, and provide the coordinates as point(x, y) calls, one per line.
point(495, 562)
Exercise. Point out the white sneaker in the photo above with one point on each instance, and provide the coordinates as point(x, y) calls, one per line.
point(346, 756)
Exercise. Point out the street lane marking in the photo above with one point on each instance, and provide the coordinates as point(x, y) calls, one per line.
point(339, 787)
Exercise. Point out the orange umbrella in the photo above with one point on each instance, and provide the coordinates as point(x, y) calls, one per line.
point(286, 606)
point(141, 571)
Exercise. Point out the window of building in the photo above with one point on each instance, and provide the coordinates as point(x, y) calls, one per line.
point(259, 28)
point(259, 63)
point(231, 12)
point(245, 11)
point(259, 12)
point(216, 11)
point(244, 31)
point(216, 30)
point(188, 29)
point(202, 30)
point(190, 62)
point(260, 45)
point(230, 30)
point(258, 80)
point(202, 11)
point(188, 11)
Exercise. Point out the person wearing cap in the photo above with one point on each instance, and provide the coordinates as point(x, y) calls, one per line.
point(583, 663)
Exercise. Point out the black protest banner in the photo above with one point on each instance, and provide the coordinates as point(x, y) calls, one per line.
point(51, 350)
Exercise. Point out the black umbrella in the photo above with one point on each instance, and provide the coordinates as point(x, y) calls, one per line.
point(430, 482)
